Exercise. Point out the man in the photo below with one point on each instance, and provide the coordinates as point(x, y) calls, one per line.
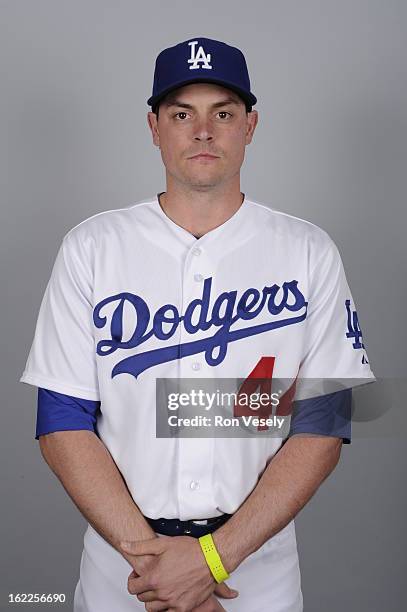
point(200, 282)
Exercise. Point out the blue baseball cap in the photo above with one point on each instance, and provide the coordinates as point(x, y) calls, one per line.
point(201, 60)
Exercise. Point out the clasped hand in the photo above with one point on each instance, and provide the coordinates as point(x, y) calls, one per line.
point(170, 573)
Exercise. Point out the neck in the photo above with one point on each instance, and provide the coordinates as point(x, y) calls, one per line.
point(199, 212)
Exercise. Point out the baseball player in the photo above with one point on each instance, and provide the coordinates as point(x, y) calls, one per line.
point(198, 282)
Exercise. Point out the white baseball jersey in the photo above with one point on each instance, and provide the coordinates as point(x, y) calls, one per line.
point(134, 297)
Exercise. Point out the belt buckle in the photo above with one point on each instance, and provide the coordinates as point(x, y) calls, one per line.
point(187, 531)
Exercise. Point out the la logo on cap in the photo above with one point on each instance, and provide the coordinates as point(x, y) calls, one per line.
point(198, 57)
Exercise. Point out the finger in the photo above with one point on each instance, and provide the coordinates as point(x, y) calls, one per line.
point(223, 590)
point(148, 596)
point(154, 546)
point(141, 565)
point(156, 606)
point(135, 586)
point(134, 574)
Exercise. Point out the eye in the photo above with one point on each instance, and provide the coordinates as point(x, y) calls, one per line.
point(180, 113)
point(225, 113)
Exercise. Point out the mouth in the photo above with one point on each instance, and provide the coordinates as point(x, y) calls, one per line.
point(204, 156)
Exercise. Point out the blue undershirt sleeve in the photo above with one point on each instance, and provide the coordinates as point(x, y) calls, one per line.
point(60, 412)
point(328, 415)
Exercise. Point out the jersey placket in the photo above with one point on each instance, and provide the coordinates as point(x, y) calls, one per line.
point(195, 455)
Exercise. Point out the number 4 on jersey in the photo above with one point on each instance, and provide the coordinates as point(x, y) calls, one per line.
point(262, 377)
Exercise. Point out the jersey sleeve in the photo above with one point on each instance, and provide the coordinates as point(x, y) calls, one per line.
point(62, 357)
point(334, 353)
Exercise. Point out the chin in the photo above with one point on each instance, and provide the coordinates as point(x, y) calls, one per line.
point(204, 181)
point(205, 175)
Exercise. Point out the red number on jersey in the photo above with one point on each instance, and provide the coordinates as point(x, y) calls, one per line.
point(261, 377)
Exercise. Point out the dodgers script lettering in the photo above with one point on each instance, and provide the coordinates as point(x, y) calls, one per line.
point(226, 311)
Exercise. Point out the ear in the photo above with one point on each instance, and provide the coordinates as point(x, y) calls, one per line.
point(153, 125)
point(252, 119)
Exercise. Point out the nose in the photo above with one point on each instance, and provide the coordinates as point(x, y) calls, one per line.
point(203, 131)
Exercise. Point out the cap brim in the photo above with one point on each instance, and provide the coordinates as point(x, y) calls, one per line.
point(247, 97)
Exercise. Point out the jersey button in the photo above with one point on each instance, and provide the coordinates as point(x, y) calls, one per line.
point(196, 366)
point(194, 484)
point(196, 251)
point(198, 278)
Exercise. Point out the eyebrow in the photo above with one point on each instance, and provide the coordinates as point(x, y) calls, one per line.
point(224, 102)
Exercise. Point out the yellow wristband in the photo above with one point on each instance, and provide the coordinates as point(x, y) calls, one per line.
point(212, 558)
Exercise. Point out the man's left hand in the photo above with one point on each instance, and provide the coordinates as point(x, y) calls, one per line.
point(179, 580)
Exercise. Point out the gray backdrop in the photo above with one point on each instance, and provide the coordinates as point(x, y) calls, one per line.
point(330, 147)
